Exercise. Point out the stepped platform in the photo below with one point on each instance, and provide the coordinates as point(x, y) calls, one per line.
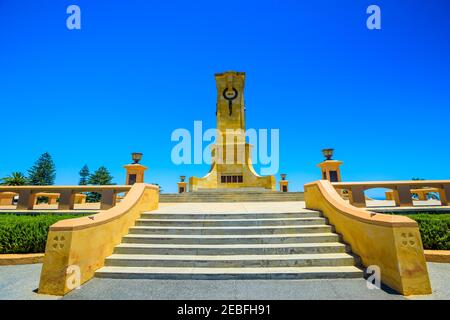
point(246, 240)
point(231, 195)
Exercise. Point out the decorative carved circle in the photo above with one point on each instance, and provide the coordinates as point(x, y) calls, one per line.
point(230, 95)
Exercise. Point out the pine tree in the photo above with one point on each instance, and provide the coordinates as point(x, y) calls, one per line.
point(84, 175)
point(43, 172)
point(100, 177)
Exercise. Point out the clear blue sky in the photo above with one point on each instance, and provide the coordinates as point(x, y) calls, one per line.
point(137, 70)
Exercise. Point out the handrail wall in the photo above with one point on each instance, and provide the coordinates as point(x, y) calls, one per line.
point(391, 242)
point(76, 248)
point(27, 194)
point(401, 190)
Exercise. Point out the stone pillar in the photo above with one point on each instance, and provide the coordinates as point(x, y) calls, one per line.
point(422, 195)
point(108, 199)
point(182, 185)
point(66, 200)
point(356, 196)
point(402, 196)
point(444, 194)
point(284, 184)
point(135, 173)
point(26, 200)
point(331, 170)
point(80, 198)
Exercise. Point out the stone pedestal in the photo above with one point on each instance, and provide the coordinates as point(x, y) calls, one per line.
point(182, 187)
point(331, 170)
point(284, 186)
point(135, 173)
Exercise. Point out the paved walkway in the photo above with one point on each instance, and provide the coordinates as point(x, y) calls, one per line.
point(231, 207)
point(229, 289)
point(21, 282)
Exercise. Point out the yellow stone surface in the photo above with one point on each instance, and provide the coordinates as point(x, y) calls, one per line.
point(391, 242)
point(80, 198)
point(134, 173)
point(6, 198)
point(182, 186)
point(231, 154)
point(421, 193)
point(84, 243)
point(328, 166)
point(15, 259)
point(441, 256)
point(284, 183)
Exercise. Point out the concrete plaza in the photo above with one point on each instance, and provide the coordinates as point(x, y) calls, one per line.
point(21, 282)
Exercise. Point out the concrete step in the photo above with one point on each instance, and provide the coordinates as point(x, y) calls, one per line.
point(232, 239)
point(286, 229)
point(231, 222)
point(240, 215)
point(229, 273)
point(221, 245)
point(230, 249)
point(231, 261)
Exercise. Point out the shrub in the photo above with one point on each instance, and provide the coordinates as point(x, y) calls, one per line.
point(434, 230)
point(26, 233)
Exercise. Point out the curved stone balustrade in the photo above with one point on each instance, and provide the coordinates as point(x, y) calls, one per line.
point(391, 242)
point(67, 195)
point(401, 190)
point(76, 248)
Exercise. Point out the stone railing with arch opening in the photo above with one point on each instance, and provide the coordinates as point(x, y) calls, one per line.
point(63, 197)
point(401, 193)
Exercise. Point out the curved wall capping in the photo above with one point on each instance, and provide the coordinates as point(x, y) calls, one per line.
point(391, 242)
point(76, 248)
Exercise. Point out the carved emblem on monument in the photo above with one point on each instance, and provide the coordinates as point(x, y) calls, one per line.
point(230, 95)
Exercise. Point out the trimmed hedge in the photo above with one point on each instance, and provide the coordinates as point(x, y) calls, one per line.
point(434, 230)
point(27, 233)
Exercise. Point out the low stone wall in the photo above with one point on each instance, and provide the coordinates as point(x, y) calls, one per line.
point(392, 243)
point(15, 259)
point(76, 248)
point(441, 256)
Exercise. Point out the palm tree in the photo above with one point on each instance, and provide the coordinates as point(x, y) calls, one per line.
point(15, 179)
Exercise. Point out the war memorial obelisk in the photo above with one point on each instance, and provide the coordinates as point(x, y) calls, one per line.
point(232, 166)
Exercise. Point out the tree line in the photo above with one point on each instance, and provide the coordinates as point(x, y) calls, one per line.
point(43, 173)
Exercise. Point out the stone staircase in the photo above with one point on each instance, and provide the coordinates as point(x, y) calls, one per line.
point(217, 245)
point(230, 196)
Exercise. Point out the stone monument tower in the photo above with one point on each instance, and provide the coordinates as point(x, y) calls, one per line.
point(232, 165)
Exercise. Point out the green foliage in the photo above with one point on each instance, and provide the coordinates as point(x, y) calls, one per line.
point(25, 233)
point(15, 179)
point(43, 172)
point(434, 229)
point(100, 177)
point(84, 175)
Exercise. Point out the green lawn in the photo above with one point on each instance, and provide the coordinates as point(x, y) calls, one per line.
point(27, 233)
